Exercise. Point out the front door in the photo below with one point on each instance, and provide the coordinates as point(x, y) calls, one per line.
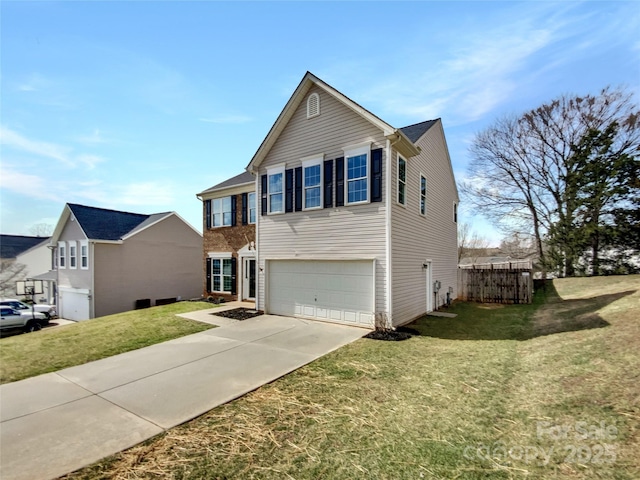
point(249, 279)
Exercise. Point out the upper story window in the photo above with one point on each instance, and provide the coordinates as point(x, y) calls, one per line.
point(84, 254)
point(275, 192)
point(402, 181)
point(221, 212)
point(313, 105)
point(252, 207)
point(357, 173)
point(62, 255)
point(312, 183)
point(455, 212)
point(423, 195)
point(73, 255)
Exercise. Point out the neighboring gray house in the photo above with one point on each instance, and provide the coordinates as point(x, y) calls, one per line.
point(110, 261)
point(32, 252)
point(357, 219)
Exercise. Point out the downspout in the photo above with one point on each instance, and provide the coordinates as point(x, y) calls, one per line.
point(389, 289)
point(92, 259)
point(259, 289)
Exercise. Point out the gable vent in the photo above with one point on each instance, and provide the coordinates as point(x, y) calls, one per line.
point(313, 105)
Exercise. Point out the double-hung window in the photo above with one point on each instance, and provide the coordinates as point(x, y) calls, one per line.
point(423, 195)
point(275, 189)
point(252, 207)
point(357, 173)
point(84, 255)
point(221, 274)
point(402, 181)
point(62, 255)
point(312, 182)
point(73, 255)
point(221, 212)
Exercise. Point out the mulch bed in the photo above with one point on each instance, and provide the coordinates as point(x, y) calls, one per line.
point(401, 333)
point(238, 313)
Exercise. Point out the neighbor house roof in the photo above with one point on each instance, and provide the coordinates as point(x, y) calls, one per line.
point(13, 245)
point(243, 179)
point(401, 141)
point(415, 131)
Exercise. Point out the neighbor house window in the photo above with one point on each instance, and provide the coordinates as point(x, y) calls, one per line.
point(252, 207)
point(275, 193)
point(455, 212)
point(84, 255)
point(73, 255)
point(402, 181)
point(221, 212)
point(357, 174)
point(221, 274)
point(423, 195)
point(62, 255)
point(312, 180)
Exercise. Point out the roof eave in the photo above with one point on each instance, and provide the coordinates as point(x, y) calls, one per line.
point(402, 143)
point(222, 189)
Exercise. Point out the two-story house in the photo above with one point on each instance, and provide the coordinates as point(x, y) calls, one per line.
point(109, 261)
point(229, 235)
point(357, 219)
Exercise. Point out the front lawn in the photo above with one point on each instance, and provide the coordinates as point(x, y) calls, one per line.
point(48, 350)
point(543, 391)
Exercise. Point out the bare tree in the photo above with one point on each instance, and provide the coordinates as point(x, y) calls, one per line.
point(10, 272)
point(520, 166)
point(41, 230)
point(470, 243)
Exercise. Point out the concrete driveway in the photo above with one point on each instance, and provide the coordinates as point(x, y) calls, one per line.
point(56, 423)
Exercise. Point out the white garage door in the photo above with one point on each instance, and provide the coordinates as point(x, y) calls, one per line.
point(74, 303)
point(337, 291)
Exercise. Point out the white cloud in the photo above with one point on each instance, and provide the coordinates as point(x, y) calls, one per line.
point(27, 185)
point(146, 193)
point(94, 138)
point(90, 161)
point(227, 119)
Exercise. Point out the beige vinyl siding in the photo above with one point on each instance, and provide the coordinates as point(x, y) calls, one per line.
point(415, 237)
point(162, 261)
point(73, 277)
point(349, 232)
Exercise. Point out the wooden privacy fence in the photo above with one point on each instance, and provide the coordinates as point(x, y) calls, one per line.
point(510, 282)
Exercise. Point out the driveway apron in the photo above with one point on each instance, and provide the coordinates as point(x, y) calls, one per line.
point(56, 423)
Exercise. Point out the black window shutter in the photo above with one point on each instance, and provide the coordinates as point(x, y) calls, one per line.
point(328, 183)
point(340, 182)
point(245, 200)
point(288, 190)
point(234, 272)
point(298, 189)
point(234, 209)
point(207, 212)
point(263, 199)
point(208, 276)
point(376, 175)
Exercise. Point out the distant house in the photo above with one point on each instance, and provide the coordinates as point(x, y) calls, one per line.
point(109, 261)
point(229, 226)
point(34, 254)
point(357, 219)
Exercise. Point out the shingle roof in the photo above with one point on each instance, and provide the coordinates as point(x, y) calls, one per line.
point(243, 178)
point(415, 131)
point(103, 224)
point(13, 245)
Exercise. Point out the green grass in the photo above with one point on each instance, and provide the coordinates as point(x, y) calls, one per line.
point(473, 397)
point(48, 350)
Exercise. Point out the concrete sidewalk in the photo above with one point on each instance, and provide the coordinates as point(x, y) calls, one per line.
point(56, 423)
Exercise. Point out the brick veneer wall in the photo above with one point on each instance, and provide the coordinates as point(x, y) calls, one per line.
point(225, 239)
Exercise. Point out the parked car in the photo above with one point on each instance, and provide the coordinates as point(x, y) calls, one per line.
point(49, 311)
point(12, 319)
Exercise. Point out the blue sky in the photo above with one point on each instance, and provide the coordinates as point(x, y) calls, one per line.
point(138, 106)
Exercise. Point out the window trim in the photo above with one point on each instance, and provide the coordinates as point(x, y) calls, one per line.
point(252, 207)
point(222, 256)
point(351, 152)
point(422, 205)
point(307, 162)
point(221, 212)
point(402, 182)
point(273, 171)
point(84, 244)
point(62, 255)
point(73, 255)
